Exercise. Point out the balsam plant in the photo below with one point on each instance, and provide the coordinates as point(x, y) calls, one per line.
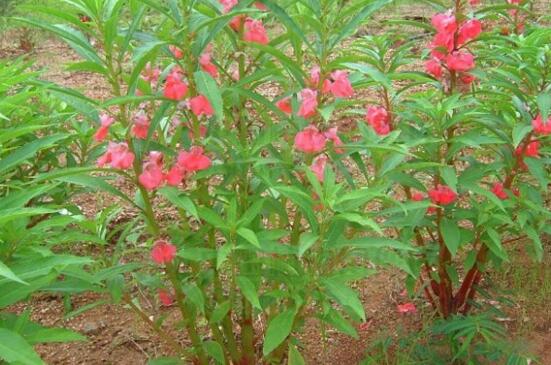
point(35, 219)
point(258, 212)
point(475, 143)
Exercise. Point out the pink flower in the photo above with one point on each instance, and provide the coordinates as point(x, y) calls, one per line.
point(378, 119)
point(310, 140)
point(444, 23)
point(474, 2)
point(532, 150)
point(407, 308)
point(176, 52)
point(194, 160)
point(200, 105)
point(442, 195)
point(498, 191)
point(442, 44)
point(237, 22)
point(175, 88)
point(469, 31)
point(434, 67)
point(309, 103)
point(106, 121)
point(285, 105)
point(163, 252)
point(539, 126)
point(255, 32)
point(417, 197)
point(260, 6)
point(228, 4)
point(467, 79)
point(318, 167)
point(314, 77)
point(331, 135)
point(165, 297)
point(207, 65)
point(460, 61)
point(341, 87)
point(152, 172)
point(141, 126)
point(175, 175)
point(150, 74)
point(117, 156)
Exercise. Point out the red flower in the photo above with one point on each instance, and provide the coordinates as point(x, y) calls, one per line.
point(200, 105)
point(285, 105)
point(165, 297)
point(407, 308)
point(207, 65)
point(417, 197)
point(106, 122)
point(152, 172)
point(151, 74)
point(467, 79)
point(318, 167)
point(255, 32)
point(340, 87)
point(434, 68)
point(175, 88)
point(469, 31)
point(444, 23)
point(309, 103)
point(237, 22)
point(442, 195)
point(310, 140)
point(260, 6)
point(499, 191)
point(314, 77)
point(176, 52)
point(194, 160)
point(541, 127)
point(460, 61)
point(163, 252)
point(378, 119)
point(118, 156)
point(442, 44)
point(331, 135)
point(228, 4)
point(141, 126)
point(175, 175)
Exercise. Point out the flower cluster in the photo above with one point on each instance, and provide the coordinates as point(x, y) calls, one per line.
point(448, 47)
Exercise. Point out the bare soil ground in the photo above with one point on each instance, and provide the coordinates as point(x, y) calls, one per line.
point(117, 336)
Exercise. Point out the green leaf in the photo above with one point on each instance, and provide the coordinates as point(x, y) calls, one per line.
point(14, 349)
point(215, 350)
point(176, 197)
point(451, 234)
point(197, 254)
point(344, 296)
point(278, 330)
point(50, 335)
point(28, 151)
point(494, 244)
point(249, 235)
point(544, 104)
point(295, 358)
point(220, 312)
point(360, 219)
point(208, 87)
point(249, 291)
point(306, 241)
point(7, 273)
point(450, 176)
